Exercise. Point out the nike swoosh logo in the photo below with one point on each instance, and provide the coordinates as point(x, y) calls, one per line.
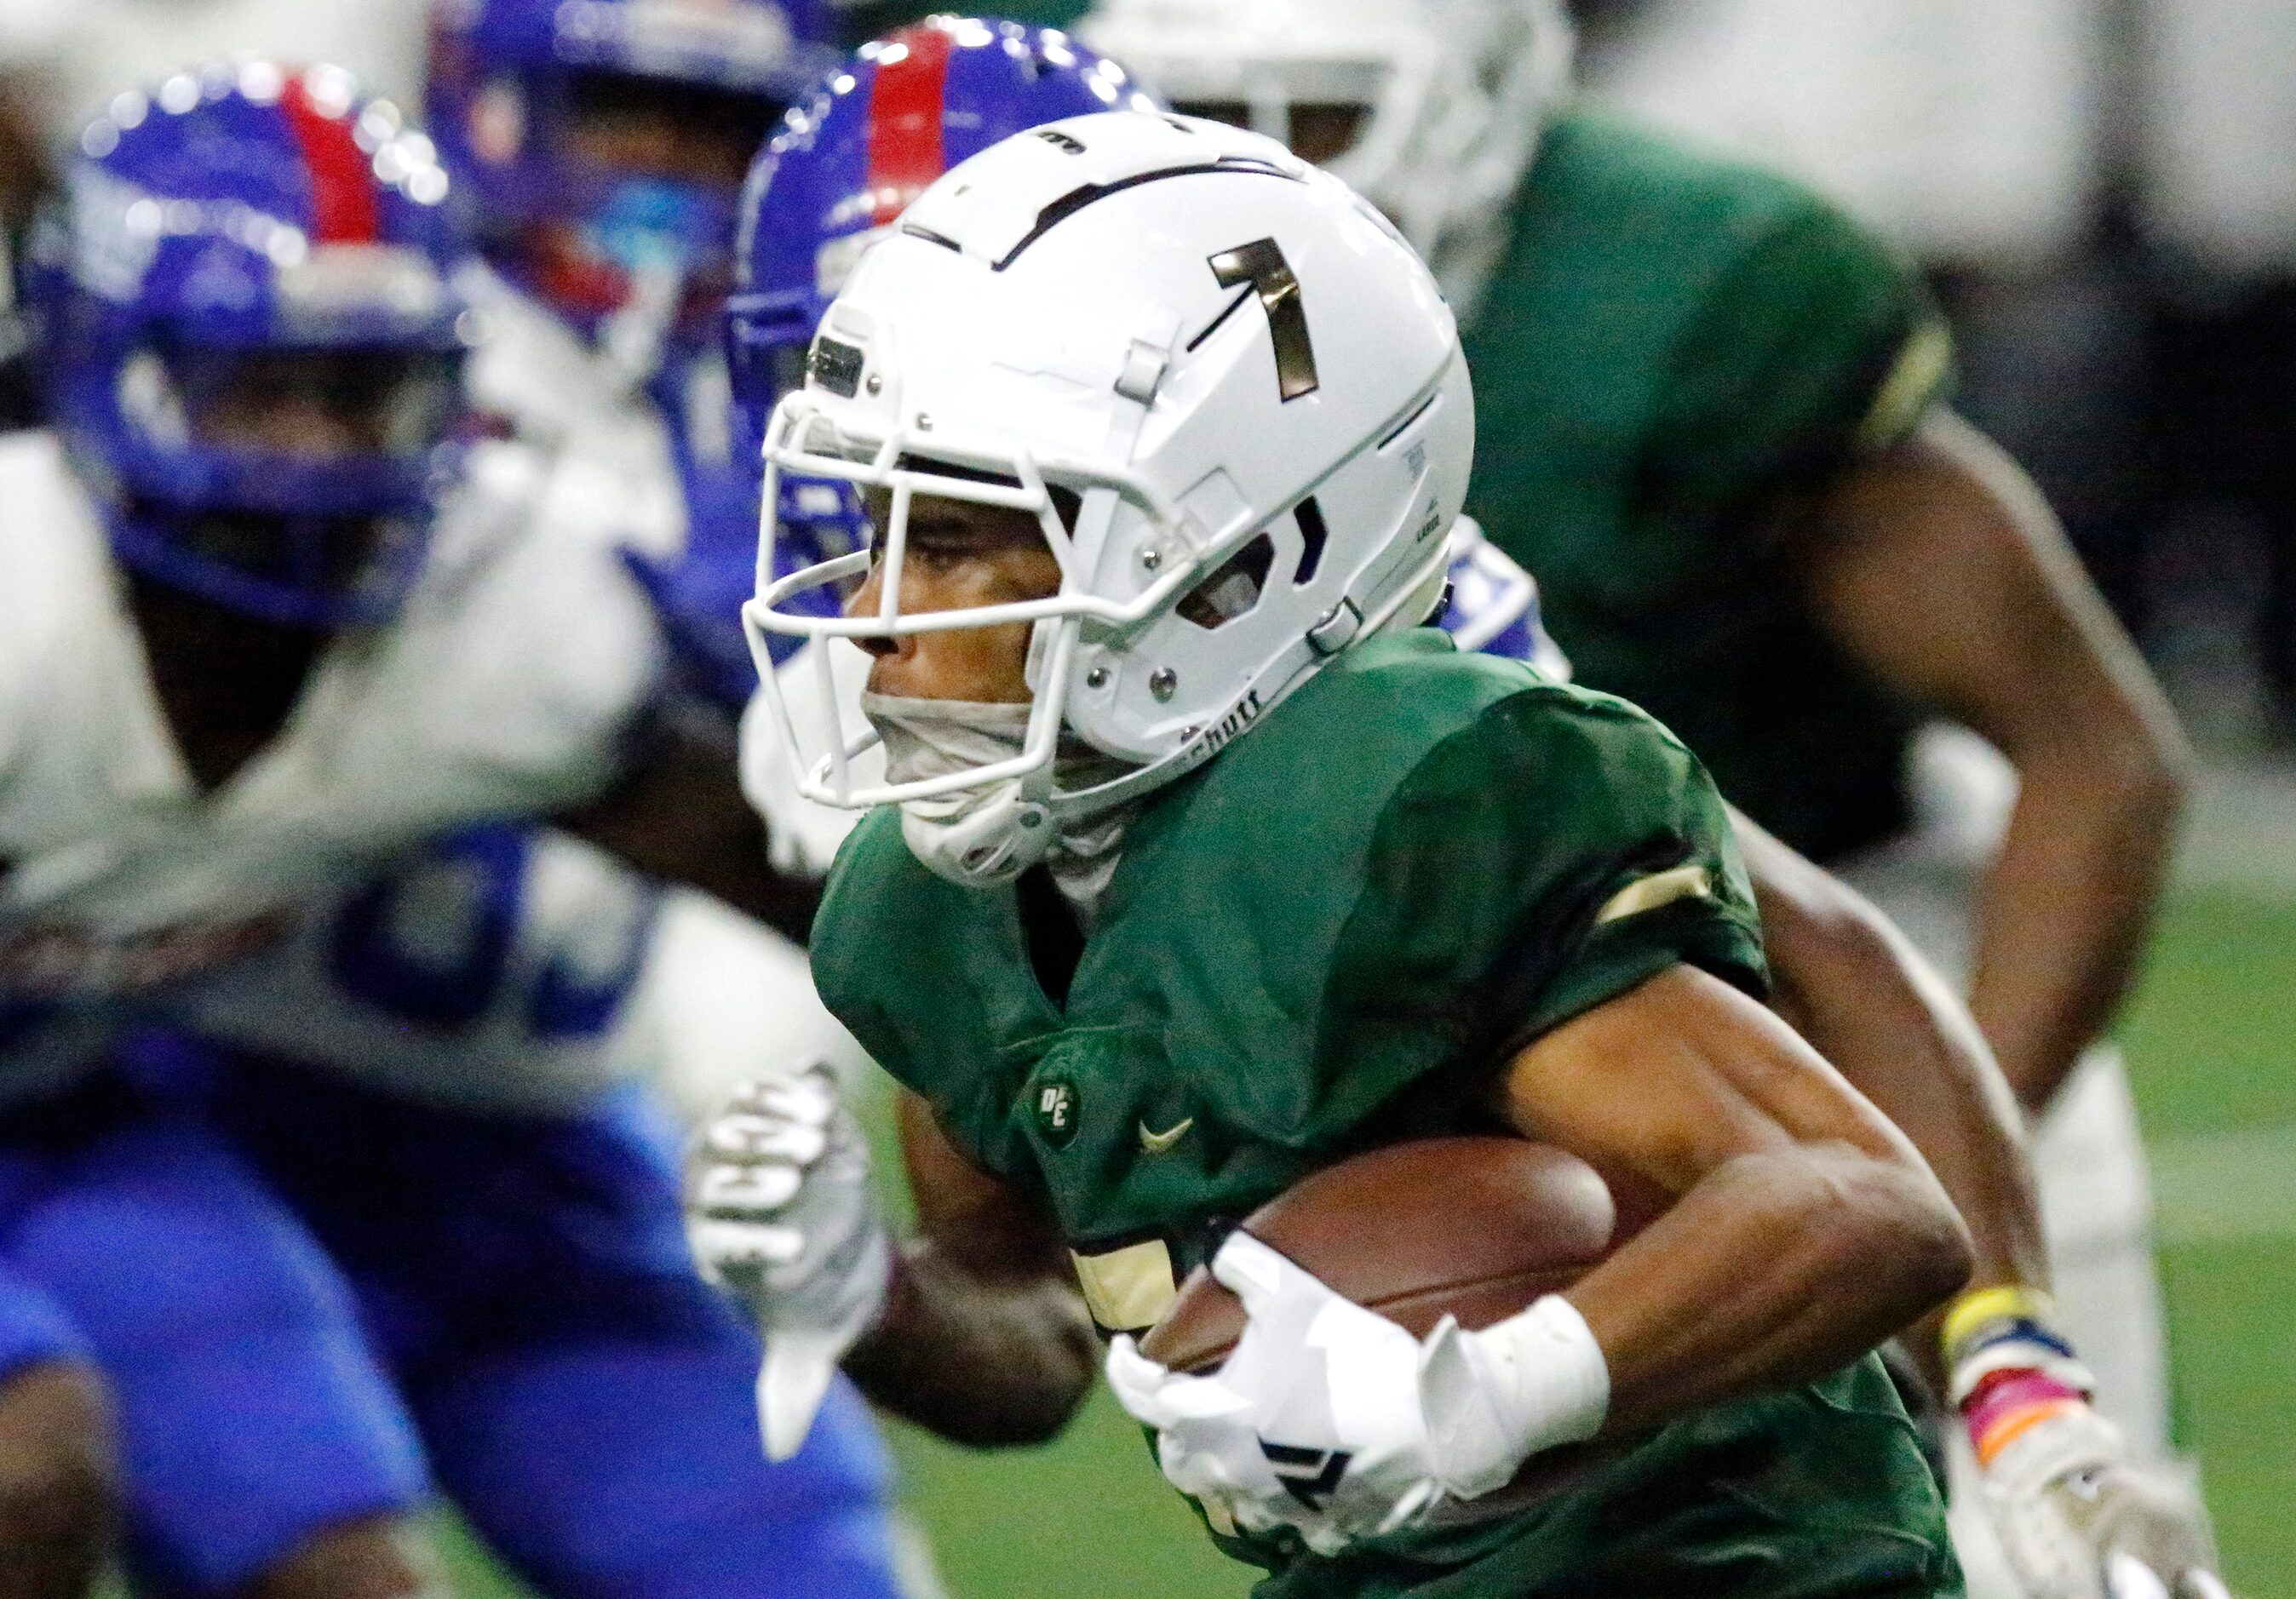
point(1156, 1143)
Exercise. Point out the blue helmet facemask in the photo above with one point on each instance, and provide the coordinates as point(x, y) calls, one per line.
point(252, 231)
point(535, 103)
point(653, 224)
point(325, 537)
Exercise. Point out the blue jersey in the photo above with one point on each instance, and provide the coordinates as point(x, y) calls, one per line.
point(325, 1277)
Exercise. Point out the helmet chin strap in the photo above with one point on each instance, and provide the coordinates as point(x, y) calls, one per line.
point(990, 842)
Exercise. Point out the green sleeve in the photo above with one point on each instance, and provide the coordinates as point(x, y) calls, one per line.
point(1555, 854)
point(1819, 340)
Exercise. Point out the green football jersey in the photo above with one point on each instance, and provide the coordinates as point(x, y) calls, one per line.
point(1329, 938)
point(1669, 344)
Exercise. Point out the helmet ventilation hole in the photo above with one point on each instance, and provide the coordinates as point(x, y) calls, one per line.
point(1233, 590)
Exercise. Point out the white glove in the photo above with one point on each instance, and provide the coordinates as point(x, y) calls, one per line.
point(782, 1214)
point(1330, 1420)
point(2079, 1521)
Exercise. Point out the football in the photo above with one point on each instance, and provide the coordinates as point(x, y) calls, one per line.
point(1474, 1226)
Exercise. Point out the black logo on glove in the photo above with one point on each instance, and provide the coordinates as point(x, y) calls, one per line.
point(1310, 1476)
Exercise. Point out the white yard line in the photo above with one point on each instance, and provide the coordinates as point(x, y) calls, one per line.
point(2241, 834)
point(2225, 1187)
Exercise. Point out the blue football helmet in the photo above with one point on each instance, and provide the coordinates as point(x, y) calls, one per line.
point(512, 82)
point(872, 135)
point(251, 225)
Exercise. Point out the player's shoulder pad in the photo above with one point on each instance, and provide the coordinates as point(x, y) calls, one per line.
point(1287, 817)
point(1406, 744)
point(1357, 734)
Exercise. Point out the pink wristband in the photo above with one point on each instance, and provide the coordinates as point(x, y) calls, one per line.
point(2005, 1406)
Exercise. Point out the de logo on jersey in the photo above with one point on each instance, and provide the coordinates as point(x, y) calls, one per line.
point(1057, 1112)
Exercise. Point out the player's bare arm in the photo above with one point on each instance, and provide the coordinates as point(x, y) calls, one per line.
point(678, 815)
point(1851, 984)
point(984, 1338)
point(1854, 986)
point(2021, 649)
point(1805, 1229)
point(26, 172)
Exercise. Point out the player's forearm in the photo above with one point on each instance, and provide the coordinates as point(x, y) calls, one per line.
point(1854, 986)
point(1940, 566)
point(26, 174)
point(1806, 1230)
point(1775, 1268)
point(679, 815)
point(986, 1362)
point(2067, 903)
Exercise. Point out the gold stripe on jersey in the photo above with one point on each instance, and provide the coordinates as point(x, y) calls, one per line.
point(1128, 1290)
point(1660, 887)
point(1911, 383)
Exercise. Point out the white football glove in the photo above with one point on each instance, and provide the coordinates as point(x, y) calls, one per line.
point(1333, 1421)
point(782, 1215)
point(2080, 1521)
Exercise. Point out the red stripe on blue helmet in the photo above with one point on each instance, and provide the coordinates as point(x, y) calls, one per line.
point(343, 209)
point(905, 104)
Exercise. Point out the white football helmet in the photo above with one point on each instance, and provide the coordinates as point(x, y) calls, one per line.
point(1247, 379)
point(1451, 94)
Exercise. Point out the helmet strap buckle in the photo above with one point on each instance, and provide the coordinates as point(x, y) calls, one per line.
point(1337, 629)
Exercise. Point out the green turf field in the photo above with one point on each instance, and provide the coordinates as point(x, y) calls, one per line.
point(2212, 1044)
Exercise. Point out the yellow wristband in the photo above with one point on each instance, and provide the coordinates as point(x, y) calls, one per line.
point(1980, 1306)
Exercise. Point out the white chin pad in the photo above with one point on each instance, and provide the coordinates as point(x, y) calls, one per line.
point(985, 844)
